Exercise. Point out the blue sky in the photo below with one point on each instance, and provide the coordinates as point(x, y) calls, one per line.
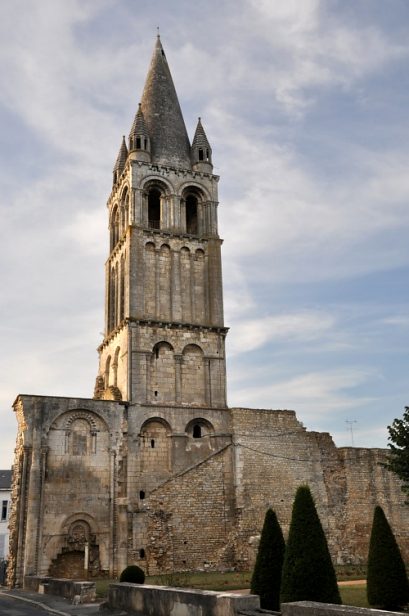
point(305, 105)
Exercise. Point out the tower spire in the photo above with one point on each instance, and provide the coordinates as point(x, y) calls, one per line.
point(139, 138)
point(201, 150)
point(162, 114)
point(121, 160)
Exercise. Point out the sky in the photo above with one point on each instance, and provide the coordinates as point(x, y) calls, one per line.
point(305, 104)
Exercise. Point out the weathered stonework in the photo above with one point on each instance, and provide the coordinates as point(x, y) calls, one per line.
point(156, 469)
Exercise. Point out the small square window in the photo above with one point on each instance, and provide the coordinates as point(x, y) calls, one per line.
point(4, 510)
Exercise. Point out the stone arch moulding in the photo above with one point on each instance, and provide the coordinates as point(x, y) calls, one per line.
point(160, 343)
point(193, 348)
point(155, 419)
point(78, 517)
point(65, 420)
point(153, 181)
point(201, 191)
point(206, 427)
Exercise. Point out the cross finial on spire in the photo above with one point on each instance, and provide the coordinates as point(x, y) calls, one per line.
point(158, 33)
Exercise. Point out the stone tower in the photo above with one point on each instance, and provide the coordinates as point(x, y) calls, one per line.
point(164, 330)
point(155, 469)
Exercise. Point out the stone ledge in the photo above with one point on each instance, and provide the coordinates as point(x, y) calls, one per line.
point(69, 589)
point(313, 608)
point(145, 600)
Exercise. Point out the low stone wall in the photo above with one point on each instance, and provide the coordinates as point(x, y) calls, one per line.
point(69, 589)
point(311, 608)
point(144, 600)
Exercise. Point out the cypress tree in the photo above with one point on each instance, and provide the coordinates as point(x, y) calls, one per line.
point(308, 573)
point(387, 582)
point(266, 578)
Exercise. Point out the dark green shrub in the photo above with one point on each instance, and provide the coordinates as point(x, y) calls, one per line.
point(266, 578)
point(133, 574)
point(308, 572)
point(387, 584)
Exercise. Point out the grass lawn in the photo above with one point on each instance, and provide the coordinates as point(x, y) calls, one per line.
point(354, 595)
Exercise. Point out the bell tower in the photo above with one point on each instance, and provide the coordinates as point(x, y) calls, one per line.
point(164, 341)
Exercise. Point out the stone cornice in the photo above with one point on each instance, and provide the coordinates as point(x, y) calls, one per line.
point(162, 324)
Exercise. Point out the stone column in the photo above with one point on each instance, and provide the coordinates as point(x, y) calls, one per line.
point(178, 378)
point(192, 287)
point(112, 517)
point(206, 288)
point(33, 507)
point(207, 381)
point(20, 556)
point(148, 357)
point(176, 302)
point(157, 284)
point(39, 554)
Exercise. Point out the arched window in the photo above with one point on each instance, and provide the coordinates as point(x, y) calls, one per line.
point(191, 215)
point(115, 367)
point(122, 290)
point(111, 300)
point(125, 210)
point(117, 282)
point(82, 441)
point(114, 227)
point(107, 369)
point(154, 197)
point(199, 428)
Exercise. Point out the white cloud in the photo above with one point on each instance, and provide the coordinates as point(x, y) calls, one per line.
point(304, 326)
point(314, 395)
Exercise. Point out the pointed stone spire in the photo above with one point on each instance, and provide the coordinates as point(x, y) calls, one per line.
point(121, 160)
point(201, 150)
point(139, 140)
point(163, 117)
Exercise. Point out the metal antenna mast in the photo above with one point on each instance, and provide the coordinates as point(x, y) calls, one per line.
point(350, 423)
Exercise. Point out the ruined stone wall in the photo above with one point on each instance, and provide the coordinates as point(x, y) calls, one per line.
point(186, 523)
point(274, 454)
point(369, 484)
point(178, 488)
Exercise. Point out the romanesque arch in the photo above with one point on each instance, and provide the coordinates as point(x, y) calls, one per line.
point(155, 446)
point(124, 209)
point(155, 203)
point(193, 375)
point(114, 226)
point(192, 209)
point(163, 373)
point(199, 428)
point(78, 550)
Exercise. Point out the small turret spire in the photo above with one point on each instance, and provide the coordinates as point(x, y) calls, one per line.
point(121, 160)
point(139, 139)
point(201, 150)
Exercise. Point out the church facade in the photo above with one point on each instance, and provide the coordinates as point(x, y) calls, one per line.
point(155, 469)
